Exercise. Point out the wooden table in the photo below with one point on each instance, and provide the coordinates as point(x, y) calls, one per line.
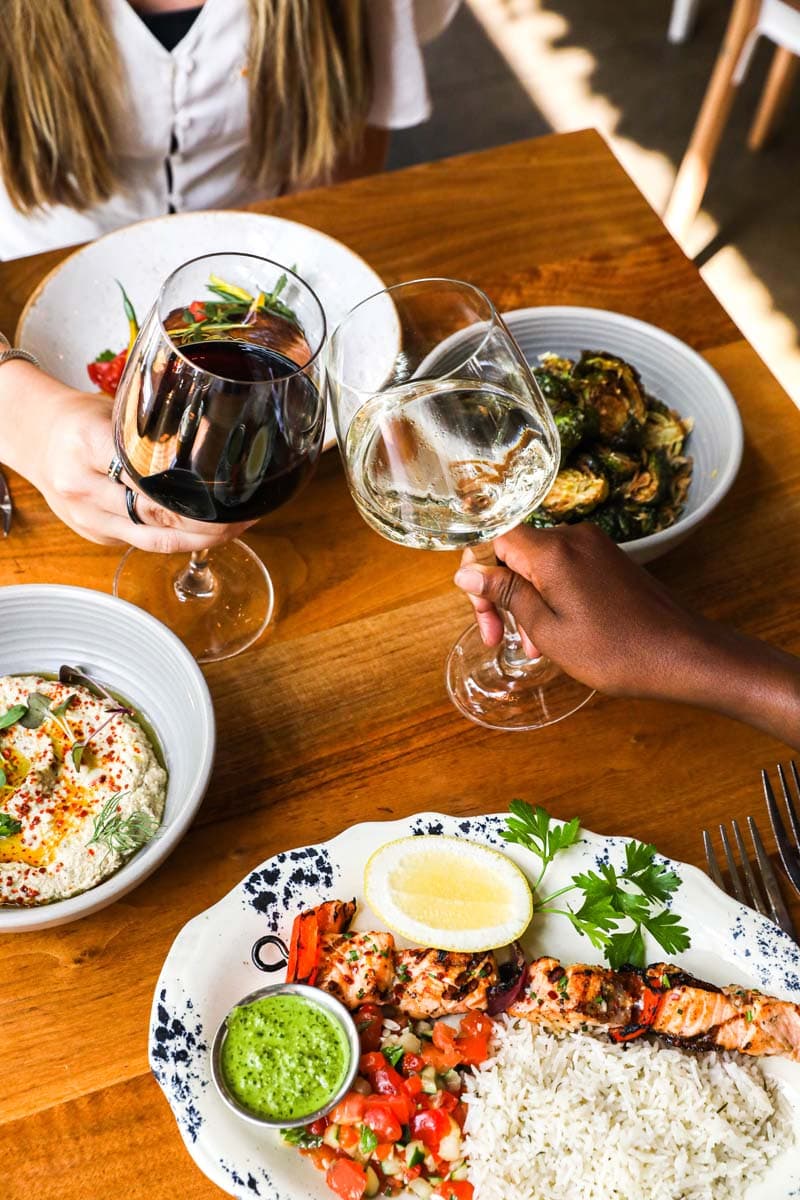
point(340, 713)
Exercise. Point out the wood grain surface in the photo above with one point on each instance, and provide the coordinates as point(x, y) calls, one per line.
point(340, 713)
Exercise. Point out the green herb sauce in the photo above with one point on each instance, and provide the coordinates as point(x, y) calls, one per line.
point(284, 1057)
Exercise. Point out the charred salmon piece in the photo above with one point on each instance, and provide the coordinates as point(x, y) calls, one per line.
point(435, 983)
point(356, 968)
point(763, 1025)
point(575, 996)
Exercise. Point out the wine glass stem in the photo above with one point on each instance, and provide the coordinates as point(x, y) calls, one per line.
point(513, 659)
point(197, 580)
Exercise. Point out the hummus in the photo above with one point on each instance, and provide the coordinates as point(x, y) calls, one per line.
point(61, 816)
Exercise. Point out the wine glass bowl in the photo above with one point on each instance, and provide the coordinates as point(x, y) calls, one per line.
point(219, 418)
point(453, 446)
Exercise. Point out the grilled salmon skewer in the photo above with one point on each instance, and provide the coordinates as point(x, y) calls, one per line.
point(367, 968)
point(662, 1000)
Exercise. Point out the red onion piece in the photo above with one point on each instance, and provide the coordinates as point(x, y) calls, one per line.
point(513, 975)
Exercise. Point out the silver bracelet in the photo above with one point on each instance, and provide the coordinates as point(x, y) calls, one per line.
point(7, 355)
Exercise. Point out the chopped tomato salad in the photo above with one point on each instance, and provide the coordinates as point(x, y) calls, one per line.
point(400, 1127)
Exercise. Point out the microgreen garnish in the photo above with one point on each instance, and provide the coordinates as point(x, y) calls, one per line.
point(8, 825)
point(39, 709)
point(634, 897)
point(75, 675)
point(123, 835)
point(302, 1138)
point(393, 1054)
point(367, 1140)
point(234, 309)
point(11, 717)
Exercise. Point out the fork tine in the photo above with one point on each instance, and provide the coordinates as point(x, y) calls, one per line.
point(778, 910)
point(791, 863)
point(755, 891)
point(789, 802)
point(733, 871)
point(711, 859)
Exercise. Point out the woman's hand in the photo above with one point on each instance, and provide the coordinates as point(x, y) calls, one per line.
point(61, 440)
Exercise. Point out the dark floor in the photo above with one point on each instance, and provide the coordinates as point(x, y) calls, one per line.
point(657, 88)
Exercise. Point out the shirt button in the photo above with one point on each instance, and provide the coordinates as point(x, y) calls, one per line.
point(188, 65)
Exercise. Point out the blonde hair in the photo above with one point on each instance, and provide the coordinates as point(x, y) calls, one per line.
point(309, 84)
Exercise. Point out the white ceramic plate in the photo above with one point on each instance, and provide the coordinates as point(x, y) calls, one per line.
point(43, 626)
point(76, 312)
point(672, 372)
point(208, 969)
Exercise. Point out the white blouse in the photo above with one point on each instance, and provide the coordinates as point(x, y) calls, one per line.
point(187, 115)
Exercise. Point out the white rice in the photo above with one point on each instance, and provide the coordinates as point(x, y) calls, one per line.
point(569, 1115)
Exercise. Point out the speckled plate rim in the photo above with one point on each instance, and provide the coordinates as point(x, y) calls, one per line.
point(151, 856)
point(208, 967)
point(587, 317)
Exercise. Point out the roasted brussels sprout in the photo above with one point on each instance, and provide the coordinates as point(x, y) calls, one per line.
point(665, 428)
point(612, 387)
point(616, 465)
point(650, 484)
point(622, 463)
point(574, 494)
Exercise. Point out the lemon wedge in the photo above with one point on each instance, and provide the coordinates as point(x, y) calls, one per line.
point(448, 893)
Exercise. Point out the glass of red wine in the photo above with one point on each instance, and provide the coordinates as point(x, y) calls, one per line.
point(219, 417)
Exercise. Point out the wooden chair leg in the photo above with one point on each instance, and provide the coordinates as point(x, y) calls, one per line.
point(690, 184)
point(774, 97)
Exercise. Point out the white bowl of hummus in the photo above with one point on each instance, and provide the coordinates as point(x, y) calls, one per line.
point(101, 771)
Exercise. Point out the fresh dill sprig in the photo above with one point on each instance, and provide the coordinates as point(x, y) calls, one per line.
point(119, 834)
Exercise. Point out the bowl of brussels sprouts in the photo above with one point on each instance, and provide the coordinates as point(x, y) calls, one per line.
point(651, 438)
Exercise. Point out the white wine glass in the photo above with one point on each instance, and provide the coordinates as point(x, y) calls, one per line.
point(447, 442)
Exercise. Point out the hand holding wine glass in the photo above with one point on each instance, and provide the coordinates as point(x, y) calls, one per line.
point(448, 442)
point(219, 418)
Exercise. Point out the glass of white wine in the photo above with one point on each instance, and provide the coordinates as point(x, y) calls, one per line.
point(447, 441)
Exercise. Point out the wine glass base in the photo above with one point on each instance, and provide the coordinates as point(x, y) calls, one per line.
point(532, 698)
point(219, 625)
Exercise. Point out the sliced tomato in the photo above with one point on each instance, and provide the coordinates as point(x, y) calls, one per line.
point(454, 1189)
point(443, 1099)
point(444, 1036)
point(369, 1023)
point(382, 1121)
point(473, 1050)
point(349, 1111)
point(476, 1024)
point(350, 1139)
point(105, 373)
point(413, 1085)
point(460, 1114)
point(411, 1064)
point(371, 1062)
point(441, 1060)
point(321, 1156)
point(198, 310)
point(347, 1179)
point(383, 1150)
point(401, 1104)
point(318, 1127)
point(430, 1126)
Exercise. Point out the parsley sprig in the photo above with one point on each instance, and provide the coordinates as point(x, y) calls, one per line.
point(615, 905)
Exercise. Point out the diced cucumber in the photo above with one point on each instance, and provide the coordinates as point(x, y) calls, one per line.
point(423, 1029)
point(421, 1188)
point(373, 1184)
point(331, 1136)
point(392, 1166)
point(450, 1148)
point(452, 1081)
point(435, 1180)
point(410, 1042)
point(428, 1078)
point(415, 1154)
point(459, 1171)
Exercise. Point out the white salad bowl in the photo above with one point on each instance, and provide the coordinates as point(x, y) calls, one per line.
point(670, 371)
point(44, 626)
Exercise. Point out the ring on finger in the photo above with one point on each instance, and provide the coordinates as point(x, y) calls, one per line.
point(130, 503)
point(115, 469)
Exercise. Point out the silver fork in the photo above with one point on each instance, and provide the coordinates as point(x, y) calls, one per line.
point(6, 510)
point(789, 849)
point(768, 902)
